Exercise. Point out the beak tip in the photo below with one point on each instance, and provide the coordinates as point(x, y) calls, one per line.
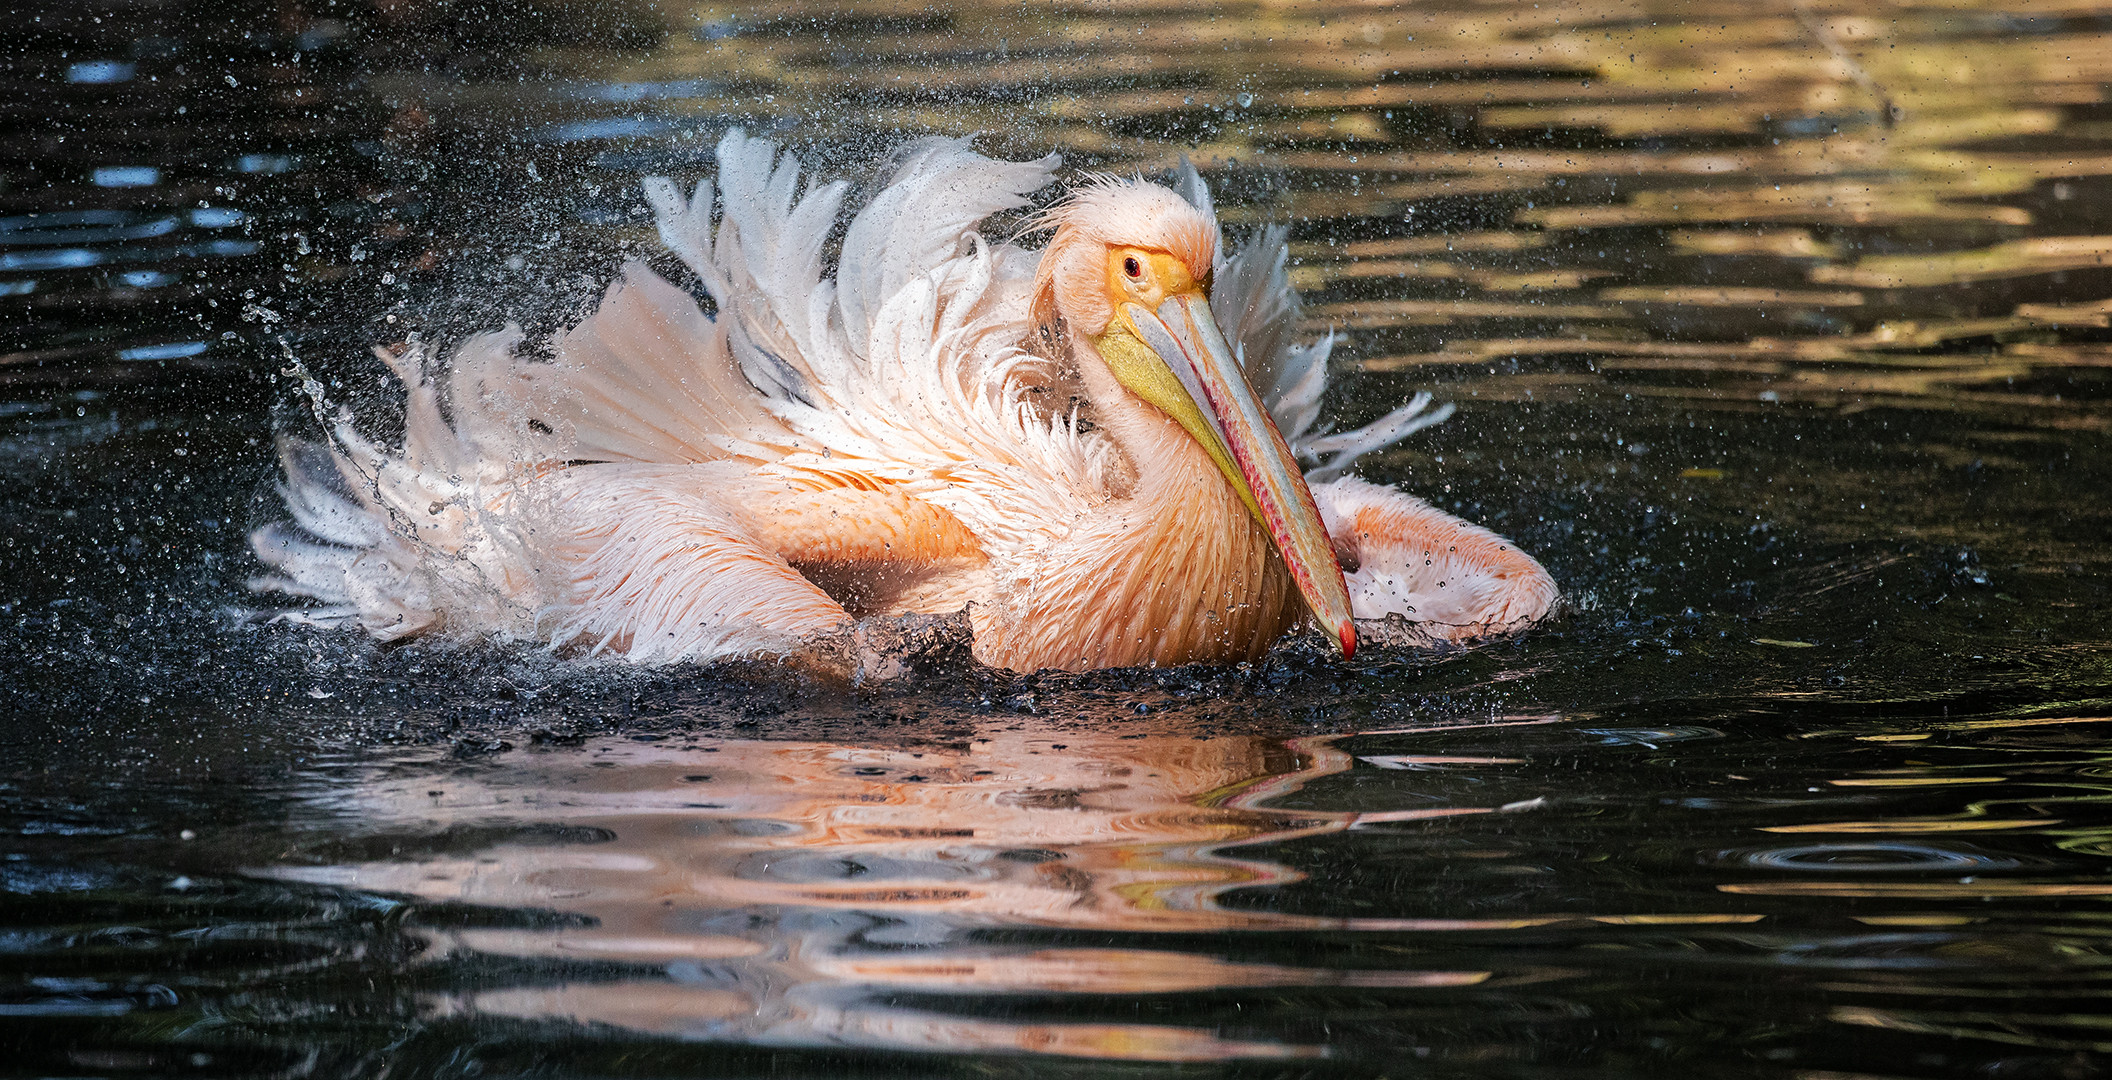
point(1348, 638)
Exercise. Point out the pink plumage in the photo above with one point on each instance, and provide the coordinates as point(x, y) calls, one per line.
point(924, 427)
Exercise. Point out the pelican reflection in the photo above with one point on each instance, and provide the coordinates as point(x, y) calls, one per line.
point(784, 892)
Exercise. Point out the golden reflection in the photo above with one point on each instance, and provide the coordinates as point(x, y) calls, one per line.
point(1365, 314)
point(1916, 825)
point(1831, 203)
point(2003, 1027)
point(1535, 280)
point(1423, 245)
point(1785, 243)
point(1847, 169)
point(1732, 296)
point(1916, 781)
point(2097, 313)
point(2022, 722)
point(2017, 258)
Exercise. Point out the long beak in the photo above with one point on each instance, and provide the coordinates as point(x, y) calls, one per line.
point(1260, 466)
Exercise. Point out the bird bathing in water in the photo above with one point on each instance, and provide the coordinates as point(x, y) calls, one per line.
point(1093, 448)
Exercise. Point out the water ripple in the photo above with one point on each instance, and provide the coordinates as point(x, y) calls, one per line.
point(1862, 858)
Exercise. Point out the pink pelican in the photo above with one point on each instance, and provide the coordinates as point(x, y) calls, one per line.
point(1092, 448)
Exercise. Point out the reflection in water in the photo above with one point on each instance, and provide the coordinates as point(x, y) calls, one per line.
point(952, 895)
point(786, 891)
point(1515, 891)
point(1866, 857)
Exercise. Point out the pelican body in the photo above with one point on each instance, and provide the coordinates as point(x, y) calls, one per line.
point(1093, 449)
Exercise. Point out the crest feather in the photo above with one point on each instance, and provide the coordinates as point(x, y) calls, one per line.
point(1109, 211)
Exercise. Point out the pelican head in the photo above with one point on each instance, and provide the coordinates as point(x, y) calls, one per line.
point(1127, 276)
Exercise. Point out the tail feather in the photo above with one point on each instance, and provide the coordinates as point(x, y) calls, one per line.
point(1377, 435)
point(398, 542)
point(316, 500)
point(305, 567)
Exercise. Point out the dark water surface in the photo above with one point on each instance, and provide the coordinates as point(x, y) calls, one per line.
point(1779, 331)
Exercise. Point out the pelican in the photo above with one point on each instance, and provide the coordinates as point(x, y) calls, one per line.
point(1068, 444)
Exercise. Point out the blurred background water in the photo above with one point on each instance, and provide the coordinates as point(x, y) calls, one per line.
point(1780, 331)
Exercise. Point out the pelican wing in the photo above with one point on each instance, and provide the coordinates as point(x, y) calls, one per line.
point(1452, 579)
point(763, 265)
point(937, 191)
point(905, 366)
point(648, 378)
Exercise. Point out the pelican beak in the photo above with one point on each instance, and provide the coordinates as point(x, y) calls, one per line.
point(1225, 415)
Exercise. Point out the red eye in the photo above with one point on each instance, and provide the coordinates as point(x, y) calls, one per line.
point(1130, 267)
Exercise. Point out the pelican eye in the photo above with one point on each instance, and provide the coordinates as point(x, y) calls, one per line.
point(1131, 267)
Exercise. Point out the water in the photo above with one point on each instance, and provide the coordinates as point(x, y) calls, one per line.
point(1779, 332)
